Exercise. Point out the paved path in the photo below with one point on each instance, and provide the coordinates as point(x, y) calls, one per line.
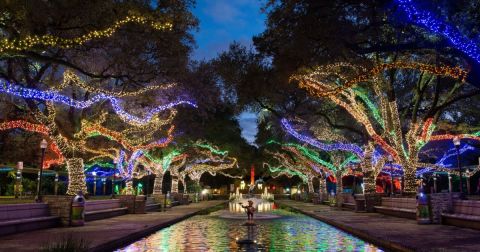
point(106, 234)
point(392, 233)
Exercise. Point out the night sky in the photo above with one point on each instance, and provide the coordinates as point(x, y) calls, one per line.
point(221, 23)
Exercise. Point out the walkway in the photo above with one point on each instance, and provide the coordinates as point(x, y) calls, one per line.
point(392, 233)
point(106, 234)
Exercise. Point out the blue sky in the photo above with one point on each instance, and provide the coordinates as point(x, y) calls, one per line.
point(225, 21)
point(221, 23)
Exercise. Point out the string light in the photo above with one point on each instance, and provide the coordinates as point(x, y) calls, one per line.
point(127, 137)
point(96, 130)
point(285, 172)
point(29, 93)
point(371, 106)
point(450, 137)
point(427, 20)
point(37, 128)
point(51, 41)
point(70, 78)
point(321, 89)
point(213, 149)
point(319, 83)
point(99, 164)
point(326, 147)
point(76, 176)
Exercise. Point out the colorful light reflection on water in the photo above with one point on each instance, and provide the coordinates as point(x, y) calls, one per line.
point(292, 232)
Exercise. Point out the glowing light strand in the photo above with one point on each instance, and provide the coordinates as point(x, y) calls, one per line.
point(37, 128)
point(29, 93)
point(70, 78)
point(427, 20)
point(326, 147)
point(48, 40)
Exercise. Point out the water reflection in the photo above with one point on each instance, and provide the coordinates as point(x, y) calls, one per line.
point(292, 232)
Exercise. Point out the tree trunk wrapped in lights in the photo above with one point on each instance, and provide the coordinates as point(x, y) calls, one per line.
point(157, 184)
point(322, 186)
point(129, 187)
point(174, 188)
point(182, 180)
point(76, 176)
point(382, 121)
point(310, 184)
point(369, 178)
point(339, 184)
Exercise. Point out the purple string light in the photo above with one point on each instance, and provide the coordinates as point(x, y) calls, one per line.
point(326, 147)
point(29, 93)
point(427, 20)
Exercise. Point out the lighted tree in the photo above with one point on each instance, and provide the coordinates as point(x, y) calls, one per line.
point(120, 47)
point(372, 98)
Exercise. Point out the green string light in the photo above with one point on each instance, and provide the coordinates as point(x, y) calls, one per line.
point(371, 106)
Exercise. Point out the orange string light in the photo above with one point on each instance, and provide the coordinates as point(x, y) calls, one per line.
point(37, 128)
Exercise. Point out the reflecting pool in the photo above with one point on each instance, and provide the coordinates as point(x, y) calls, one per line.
point(290, 232)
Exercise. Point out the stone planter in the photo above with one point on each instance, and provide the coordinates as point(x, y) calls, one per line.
point(60, 206)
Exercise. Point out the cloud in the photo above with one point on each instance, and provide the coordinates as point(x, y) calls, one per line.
point(222, 11)
point(248, 124)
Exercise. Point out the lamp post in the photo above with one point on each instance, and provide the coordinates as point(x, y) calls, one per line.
point(449, 182)
point(19, 180)
point(390, 160)
point(43, 147)
point(456, 142)
point(94, 183)
point(56, 183)
point(104, 181)
point(435, 183)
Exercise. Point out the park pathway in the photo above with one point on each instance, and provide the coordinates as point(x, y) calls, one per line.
point(106, 234)
point(392, 233)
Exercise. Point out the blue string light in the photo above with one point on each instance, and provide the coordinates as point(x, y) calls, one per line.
point(427, 20)
point(6, 87)
point(326, 147)
point(127, 175)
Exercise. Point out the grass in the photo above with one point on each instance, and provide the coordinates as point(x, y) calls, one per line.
point(67, 243)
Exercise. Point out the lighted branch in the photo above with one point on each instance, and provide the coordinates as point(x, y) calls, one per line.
point(306, 171)
point(281, 171)
point(48, 40)
point(71, 79)
point(41, 129)
point(362, 75)
point(427, 20)
point(390, 135)
point(98, 130)
point(56, 97)
point(323, 146)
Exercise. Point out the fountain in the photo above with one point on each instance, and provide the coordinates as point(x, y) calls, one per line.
point(262, 204)
point(267, 196)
